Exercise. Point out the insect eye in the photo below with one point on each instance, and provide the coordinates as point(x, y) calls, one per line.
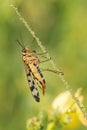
point(23, 50)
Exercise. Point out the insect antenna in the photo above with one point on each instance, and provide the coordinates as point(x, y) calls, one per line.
point(21, 44)
point(31, 43)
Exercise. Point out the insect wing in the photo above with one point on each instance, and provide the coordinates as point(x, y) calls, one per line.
point(31, 83)
point(42, 82)
point(38, 75)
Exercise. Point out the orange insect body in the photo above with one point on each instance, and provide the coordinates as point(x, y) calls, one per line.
point(33, 71)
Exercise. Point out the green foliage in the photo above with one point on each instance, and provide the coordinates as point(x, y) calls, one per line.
point(62, 27)
point(44, 122)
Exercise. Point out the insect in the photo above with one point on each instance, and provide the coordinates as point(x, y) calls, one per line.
point(33, 72)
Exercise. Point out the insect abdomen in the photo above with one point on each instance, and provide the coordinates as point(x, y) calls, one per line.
point(38, 75)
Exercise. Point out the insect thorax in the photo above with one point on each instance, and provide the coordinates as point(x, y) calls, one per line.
point(30, 58)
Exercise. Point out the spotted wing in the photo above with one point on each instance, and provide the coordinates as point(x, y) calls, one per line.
point(31, 83)
point(38, 76)
point(42, 82)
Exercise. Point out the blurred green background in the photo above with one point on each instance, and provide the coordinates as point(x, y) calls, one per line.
point(61, 25)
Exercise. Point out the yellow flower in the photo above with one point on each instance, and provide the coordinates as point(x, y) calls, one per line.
point(51, 126)
point(66, 105)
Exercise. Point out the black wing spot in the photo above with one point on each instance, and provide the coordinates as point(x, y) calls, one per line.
point(32, 87)
point(28, 74)
point(37, 98)
point(40, 72)
point(29, 80)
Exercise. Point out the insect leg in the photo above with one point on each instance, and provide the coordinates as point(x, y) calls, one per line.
point(54, 71)
point(47, 59)
point(42, 53)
